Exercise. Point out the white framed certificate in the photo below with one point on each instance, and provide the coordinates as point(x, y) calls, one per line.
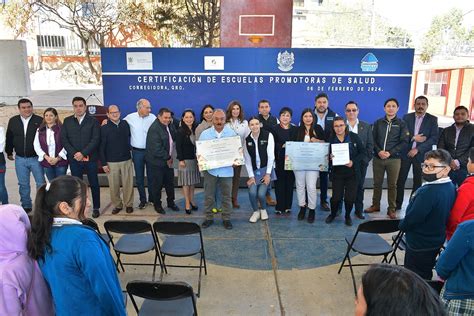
point(219, 152)
point(340, 154)
point(306, 156)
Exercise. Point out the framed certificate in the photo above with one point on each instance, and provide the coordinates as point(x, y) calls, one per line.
point(340, 154)
point(307, 156)
point(219, 152)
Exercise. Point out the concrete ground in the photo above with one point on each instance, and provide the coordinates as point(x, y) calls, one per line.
point(279, 267)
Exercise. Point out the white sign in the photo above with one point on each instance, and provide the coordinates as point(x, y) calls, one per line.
point(139, 61)
point(341, 155)
point(213, 62)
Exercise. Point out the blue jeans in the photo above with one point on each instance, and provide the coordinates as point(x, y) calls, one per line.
point(77, 170)
point(258, 192)
point(23, 167)
point(3, 188)
point(139, 164)
point(54, 172)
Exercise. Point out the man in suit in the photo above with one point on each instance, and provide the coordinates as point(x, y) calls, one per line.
point(325, 118)
point(423, 128)
point(458, 139)
point(158, 153)
point(364, 131)
point(80, 136)
point(20, 135)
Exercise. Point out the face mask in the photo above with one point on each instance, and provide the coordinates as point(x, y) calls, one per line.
point(429, 177)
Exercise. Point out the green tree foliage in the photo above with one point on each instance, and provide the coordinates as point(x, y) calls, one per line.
point(446, 35)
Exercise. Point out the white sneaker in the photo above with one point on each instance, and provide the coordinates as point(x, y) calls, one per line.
point(255, 217)
point(263, 215)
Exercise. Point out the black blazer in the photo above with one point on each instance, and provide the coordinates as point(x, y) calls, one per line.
point(465, 142)
point(158, 144)
point(364, 131)
point(83, 138)
point(15, 136)
point(429, 128)
point(185, 149)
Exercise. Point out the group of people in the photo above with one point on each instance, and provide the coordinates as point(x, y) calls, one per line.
point(142, 141)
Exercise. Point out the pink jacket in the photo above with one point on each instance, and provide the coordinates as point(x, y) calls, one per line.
point(23, 290)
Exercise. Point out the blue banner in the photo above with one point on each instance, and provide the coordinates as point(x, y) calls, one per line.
point(181, 78)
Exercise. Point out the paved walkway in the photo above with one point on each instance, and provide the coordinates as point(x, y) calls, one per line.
point(279, 267)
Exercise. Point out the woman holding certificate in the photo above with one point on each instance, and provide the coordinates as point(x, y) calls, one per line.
point(308, 132)
point(235, 120)
point(347, 152)
point(259, 151)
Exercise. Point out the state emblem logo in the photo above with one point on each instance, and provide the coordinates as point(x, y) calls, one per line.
point(285, 61)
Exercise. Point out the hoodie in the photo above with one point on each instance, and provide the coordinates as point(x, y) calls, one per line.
point(23, 290)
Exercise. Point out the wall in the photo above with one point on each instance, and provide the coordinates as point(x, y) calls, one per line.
point(15, 76)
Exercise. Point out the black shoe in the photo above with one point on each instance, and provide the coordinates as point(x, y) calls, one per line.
point(325, 207)
point(28, 209)
point(116, 210)
point(159, 209)
point(359, 214)
point(194, 207)
point(129, 210)
point(188, 211)
point(398, 208)
point(348, 221)
point(330, 218)
point(207, 223)
point(142, 205)
point(174, 207)
point(311, 216)
point(227, 224)
point(95, 213)
point(302, 213)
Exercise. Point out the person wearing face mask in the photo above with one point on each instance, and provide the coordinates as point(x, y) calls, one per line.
point(427, 213)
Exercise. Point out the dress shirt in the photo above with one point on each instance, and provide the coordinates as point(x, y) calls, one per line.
point(27, 120)
point(354, 129)
point(211, 133)
point(139, 128)
point(418, 121)
point(80, 118)
point(321, 121)
point(2, 139)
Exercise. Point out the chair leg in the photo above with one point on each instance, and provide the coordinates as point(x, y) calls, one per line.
point(204, 259)
point(352, 274)
point(344, 260)
point(385, 259)
point(199, 280)
point(164, 265)
point(154, 267)
point(120, 261)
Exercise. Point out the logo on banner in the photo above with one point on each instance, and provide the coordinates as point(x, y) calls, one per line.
point(369, 63)
point(285, 61)
point(139, 61)
point(213, 62)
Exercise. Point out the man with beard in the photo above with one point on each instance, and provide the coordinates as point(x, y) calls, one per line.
point(458, 139)
point(324, 118)
point(423, 129)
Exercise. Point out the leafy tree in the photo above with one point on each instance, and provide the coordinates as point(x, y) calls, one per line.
point(446, 35)
point(17, 16)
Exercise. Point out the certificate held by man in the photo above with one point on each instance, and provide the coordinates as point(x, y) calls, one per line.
point(340, 154)
point(306, 156)
point(219, 152)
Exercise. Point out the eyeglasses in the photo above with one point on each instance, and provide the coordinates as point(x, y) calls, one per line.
point(117, 112)
point(339, 125)
point(351, 110)
point(431, 167)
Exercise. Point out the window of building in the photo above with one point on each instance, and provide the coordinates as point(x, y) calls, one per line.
point(436, 83)
point(50, 41)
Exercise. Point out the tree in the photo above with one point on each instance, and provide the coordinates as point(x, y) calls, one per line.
point(203, 22)
point(18, 16)
point(446, 35)
point(398, 37)
point(91, 21)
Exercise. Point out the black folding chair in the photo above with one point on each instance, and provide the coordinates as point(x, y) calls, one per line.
point(182, 239)
point(93, 224)
point(366, 241)
point(402, 245)
point(137, 238)
point(163, 298)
